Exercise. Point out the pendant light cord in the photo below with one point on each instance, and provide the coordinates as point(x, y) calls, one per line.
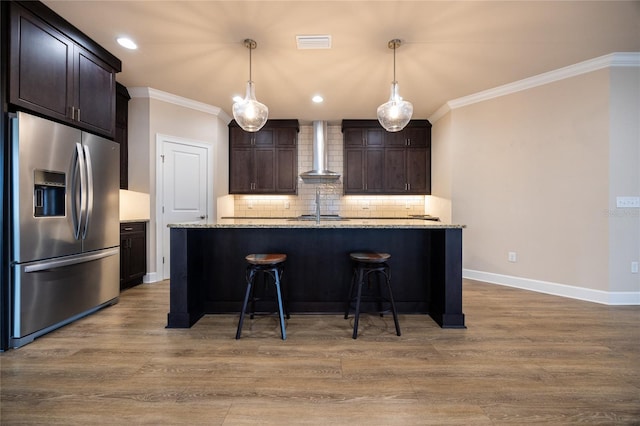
point(394, 62)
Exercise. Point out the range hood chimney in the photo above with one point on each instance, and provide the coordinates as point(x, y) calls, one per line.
point(319, 172)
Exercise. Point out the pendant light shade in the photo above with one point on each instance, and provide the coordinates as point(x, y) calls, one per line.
point(396, 113)
point(250, 114)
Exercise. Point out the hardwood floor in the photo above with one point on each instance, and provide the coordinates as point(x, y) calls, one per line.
point(525, 358)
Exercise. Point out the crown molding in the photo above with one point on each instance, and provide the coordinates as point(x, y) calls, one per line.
point(619, 59)
point(148, 92)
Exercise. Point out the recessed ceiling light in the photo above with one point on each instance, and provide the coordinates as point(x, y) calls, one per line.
point(317, 99)
point(127, 43)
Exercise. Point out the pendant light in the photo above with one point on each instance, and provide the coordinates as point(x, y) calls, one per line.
point(396, 112)
point(250, 114)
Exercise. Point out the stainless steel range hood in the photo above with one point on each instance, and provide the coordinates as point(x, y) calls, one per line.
point(320, 173)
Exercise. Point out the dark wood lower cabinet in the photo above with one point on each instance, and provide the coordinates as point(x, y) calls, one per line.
point(133, 253)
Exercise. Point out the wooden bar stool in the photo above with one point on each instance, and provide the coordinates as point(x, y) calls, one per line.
point(271, 265)
point(365, 264)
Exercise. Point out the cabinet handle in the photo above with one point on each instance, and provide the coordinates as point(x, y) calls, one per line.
point(128, 229)
point(75, 113)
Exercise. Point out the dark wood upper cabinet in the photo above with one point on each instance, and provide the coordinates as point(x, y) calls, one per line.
point(122, 132)
point(57, 72)
point(381, 162)
point(266, 161)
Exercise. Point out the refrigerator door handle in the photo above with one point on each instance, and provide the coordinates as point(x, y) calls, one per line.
point(77, 196)
point(59, 263)
point(88, 190)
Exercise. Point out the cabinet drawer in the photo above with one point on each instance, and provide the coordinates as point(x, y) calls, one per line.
point(132, 227)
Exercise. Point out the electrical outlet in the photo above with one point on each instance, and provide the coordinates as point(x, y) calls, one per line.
point(250, 204)
point(634, 267)
point(513, 256)
point(628, 202)
point(287, 205)
point(365, 204)
point(407, 205)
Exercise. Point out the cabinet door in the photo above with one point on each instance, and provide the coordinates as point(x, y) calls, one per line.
point(124, 259)
point(263, 138)
point(41, 61)
point(286, 178)
point(286, 137)
point(364, 160)
point(395, 170)
point(241, 171)
point(374, 171)
point(353, 137)
point(354, 171)
point(137, 255)
point(419, 170)
point(95, 94)
point(121, 132)
point(240, 138)
point(396, 138)
point(265, 175)
point(416, 137)
point(374, 137)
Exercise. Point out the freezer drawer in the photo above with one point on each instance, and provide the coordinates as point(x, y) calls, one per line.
point(48, 294)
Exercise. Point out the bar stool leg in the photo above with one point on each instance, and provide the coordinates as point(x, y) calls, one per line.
point(359, 283)
point(347, 304)
point(277, 274)
point(250, 275)
point(393, 305)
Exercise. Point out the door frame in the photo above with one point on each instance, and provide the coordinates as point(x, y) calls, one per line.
point(161, 226)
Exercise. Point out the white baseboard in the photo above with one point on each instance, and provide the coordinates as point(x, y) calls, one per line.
point(589, 295)
point(151, 277)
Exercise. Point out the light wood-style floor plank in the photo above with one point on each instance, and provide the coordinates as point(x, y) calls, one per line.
point(525, 358)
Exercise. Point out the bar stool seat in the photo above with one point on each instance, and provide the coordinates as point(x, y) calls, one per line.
point(364, 264)
point(270, 264)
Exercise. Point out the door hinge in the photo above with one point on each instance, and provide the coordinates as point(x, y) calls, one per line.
point(162, 209)
point(162, 156)
point(163, 260)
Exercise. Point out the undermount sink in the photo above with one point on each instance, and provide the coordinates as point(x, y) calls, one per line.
point(322, 217)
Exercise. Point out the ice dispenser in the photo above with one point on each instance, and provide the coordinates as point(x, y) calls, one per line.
point(48, 193)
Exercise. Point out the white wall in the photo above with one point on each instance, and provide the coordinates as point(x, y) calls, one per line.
point(536, 172)
point(624, 177)
point(153, 113)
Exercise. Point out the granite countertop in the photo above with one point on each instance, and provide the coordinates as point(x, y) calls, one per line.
point(403, 223)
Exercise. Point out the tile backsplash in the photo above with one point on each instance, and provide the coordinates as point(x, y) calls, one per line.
point(332, 200)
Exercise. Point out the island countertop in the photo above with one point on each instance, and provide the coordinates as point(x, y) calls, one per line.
point(345, 223)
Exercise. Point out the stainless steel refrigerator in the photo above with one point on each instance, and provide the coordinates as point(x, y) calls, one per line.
point(65, 256)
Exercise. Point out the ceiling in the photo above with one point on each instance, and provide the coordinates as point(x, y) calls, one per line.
point(194, 49)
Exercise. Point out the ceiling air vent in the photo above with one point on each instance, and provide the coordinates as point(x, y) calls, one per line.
point(313, 41)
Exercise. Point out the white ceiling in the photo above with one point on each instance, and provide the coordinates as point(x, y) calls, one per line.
point(450, 49)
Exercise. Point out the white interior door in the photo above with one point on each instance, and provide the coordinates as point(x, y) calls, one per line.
point(185, 188)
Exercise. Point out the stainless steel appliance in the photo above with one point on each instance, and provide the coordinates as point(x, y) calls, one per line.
point(65, 260)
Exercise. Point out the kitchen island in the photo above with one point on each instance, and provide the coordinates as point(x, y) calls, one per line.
point(208, 266)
